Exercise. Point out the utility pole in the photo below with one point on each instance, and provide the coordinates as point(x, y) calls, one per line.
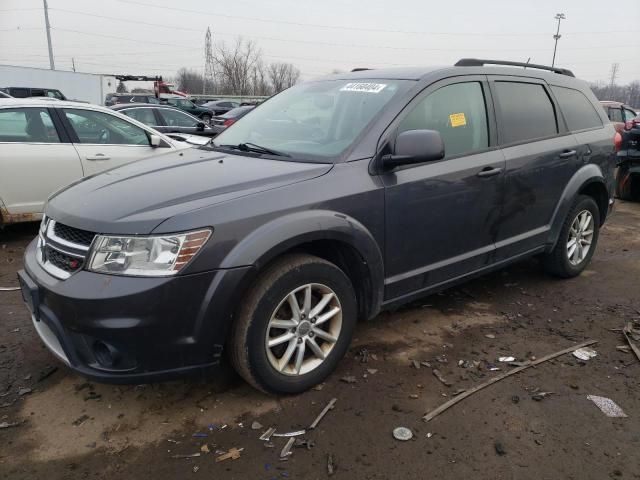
point(73, 62)
point(612, 81)
point(209, 71)
point(46, 22)
point(556, 37)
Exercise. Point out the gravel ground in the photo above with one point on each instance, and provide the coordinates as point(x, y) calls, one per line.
point(69, 428)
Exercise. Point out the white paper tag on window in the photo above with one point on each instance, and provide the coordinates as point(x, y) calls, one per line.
point(363, 87)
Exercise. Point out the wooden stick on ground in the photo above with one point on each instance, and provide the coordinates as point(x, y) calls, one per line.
point(626, 331)
point(491, 381)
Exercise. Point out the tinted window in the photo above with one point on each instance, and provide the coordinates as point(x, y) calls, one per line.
point(629, 115)
point(458, 112)
point(576, 108)
point(526, 112)
point(173, 118)
point(19, 92)
point(31, 125)
point(144, 115)
point(102, 128)
point(615, 115)
point(37, 92)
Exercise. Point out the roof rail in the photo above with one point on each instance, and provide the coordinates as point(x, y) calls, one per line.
point(360, 69)
point(477, 62)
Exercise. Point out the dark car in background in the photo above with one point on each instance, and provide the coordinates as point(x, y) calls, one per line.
point(333, 200)
point(202, 112)
point(118, 98)
point(628, 162)
point(232, 116)
point(166, 119)
point(221, 106)
point(618, 113)
point(203, 100)
point(27, 92)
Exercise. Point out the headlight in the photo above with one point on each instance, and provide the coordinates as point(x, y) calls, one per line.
point(153, 256)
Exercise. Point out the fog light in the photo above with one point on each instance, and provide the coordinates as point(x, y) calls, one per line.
point(105, 354)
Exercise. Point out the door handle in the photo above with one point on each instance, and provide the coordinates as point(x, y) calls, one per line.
point(489, 172)
point(98, 156)
point(567, 154)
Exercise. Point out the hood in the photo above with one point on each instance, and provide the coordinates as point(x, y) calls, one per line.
point(135, 198)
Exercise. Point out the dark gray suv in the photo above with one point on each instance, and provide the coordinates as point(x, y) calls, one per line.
point(333, 200)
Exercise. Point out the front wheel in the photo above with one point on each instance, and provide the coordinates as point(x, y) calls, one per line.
point(294, 325)
point(577, 241)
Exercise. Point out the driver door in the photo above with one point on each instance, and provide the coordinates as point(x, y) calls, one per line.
point(103, 140)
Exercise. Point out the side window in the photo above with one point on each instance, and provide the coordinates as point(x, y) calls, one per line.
point(577, 109)
point(55, 94)
point(173, 118)
point(615, 114)
point(102, 128)
point(144, 115)
point(458, 112)
point(37, 92)
point(629, 115)
point(20, 92)
point(526, 111)
point(27, 125)
point(153, 100)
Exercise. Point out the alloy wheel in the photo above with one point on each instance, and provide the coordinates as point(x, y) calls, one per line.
point(580, 237)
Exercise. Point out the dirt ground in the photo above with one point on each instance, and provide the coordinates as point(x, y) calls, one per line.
point(71, 429)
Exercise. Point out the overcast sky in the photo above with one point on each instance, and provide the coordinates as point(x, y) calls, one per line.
point(150, 37)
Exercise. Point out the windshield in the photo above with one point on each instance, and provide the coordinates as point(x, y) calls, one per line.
point(313, 121)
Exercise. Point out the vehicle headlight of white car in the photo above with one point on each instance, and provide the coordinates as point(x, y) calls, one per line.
point(145, 256)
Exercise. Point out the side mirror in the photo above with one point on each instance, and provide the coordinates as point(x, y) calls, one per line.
point(415, 146)
point(155, 141)
point(200, 126)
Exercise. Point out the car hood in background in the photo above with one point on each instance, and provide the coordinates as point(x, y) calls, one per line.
point(135, 198)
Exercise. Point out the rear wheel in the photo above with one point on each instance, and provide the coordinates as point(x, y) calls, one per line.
point(294, 325)
point(577, 241)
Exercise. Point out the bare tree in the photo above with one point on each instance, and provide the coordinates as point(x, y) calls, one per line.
point(282, 76)
point(234, 66)
point(189, 80)
point(259, 81)
point(121, 88)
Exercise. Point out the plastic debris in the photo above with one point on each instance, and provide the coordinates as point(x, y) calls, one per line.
point(232, 454)
point(541, 396)
point(499, 448)
point(372, 371)
point(348, 379)
point(324, 411)
point(402, 433)
point(204, 448)
point(9, 289)
point(492, 368)
point(9, 425)
point(200, 435)
point(187, 455)
point(256, 426)
point(24, 391)
point(195, 469)
point(80, 420)
point(608, 406)
point(331, 466)
point(304, 443)
point(290, 434)
point(490, 335)
point(585, 353)
point(266, 436)
point(439, 376)
point(416, 364)
point(507, 359)
point(286, 450)
point(429, 435)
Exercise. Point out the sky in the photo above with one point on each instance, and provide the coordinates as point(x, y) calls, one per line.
point(157, 37)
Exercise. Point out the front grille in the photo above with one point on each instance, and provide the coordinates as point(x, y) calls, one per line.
point(61, 260)
point(73, 235)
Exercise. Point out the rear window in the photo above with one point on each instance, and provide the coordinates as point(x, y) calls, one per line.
point(577, 109)
point(526, 112)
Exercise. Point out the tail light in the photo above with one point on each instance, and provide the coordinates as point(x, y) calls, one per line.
point(229, 122)
point(617, 141)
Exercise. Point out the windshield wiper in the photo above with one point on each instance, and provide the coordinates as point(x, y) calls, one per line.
point(252, 147)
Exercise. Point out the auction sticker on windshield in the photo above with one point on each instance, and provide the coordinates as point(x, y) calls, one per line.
point(363, 87)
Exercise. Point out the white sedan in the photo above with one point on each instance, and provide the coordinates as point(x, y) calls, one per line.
point(46, 145)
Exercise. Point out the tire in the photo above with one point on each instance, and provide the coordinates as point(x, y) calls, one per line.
point(265, 367)
point(624, 183)
point(557, 262)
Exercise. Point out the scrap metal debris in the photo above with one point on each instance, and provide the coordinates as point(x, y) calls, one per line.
point(204, 448)
point(233, 454)
point(445, 406)
point(80, 420)
point(402, 433)
point(24, 391)
point(266, 436)
point(9, 425)
point(541, 396)
point(324, 411)
point(585, 353)
point(9, 289)
point(439, 376)
point(256, 426)
point(188, 455)
point(507, 359)
point(290, 434)
point(608, 406)
point(348, 379)
point(286, 450)
point(304, 443)
point(629, 332)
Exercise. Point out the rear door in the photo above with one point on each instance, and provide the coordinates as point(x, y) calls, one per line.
point(541, 156)
point(36, 159)
point(177, 121)
point(105, 141)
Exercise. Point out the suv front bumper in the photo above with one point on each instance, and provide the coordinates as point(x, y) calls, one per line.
point(121, 329)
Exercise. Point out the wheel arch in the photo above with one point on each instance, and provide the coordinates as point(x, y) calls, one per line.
point(590, 181)
point(332, 236)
